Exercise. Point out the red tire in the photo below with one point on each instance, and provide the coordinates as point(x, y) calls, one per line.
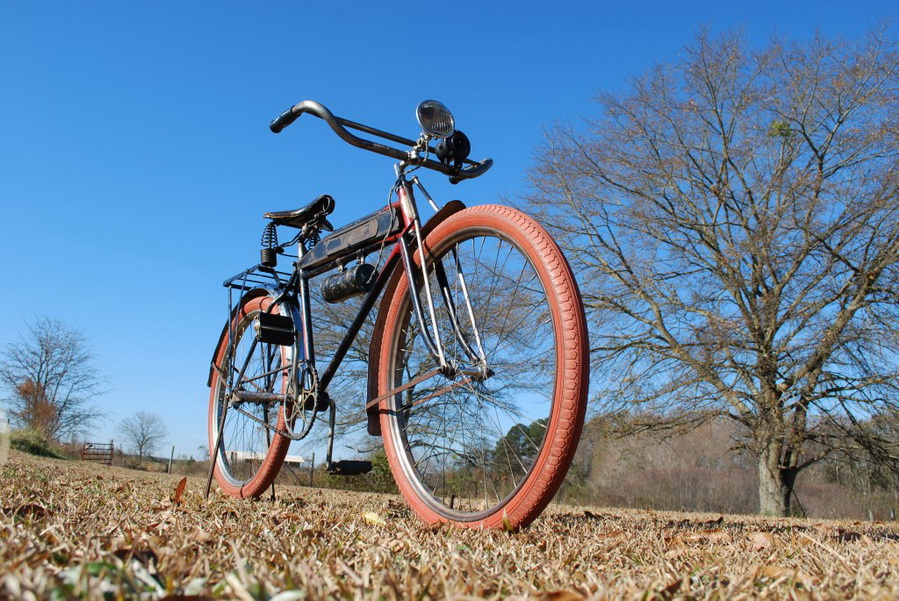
point(488, 446)
point(250, 454)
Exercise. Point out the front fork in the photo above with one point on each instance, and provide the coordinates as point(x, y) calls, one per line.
point(431, 335)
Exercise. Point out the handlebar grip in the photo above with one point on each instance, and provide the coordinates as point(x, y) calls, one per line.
point(283, 120)
point(471, 171)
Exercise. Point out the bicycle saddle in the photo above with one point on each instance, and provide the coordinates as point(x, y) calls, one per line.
point(316, 211)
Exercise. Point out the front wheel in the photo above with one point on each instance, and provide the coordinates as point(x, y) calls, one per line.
point(251, 449)
point(487, 441)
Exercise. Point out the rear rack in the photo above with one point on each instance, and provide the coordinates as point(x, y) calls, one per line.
point(258, 276)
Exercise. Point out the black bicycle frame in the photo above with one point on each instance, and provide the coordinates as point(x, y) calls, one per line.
point(295, 296)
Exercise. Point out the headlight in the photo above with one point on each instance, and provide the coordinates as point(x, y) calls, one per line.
point(435, 119)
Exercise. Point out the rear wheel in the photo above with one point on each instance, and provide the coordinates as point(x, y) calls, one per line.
point(251, 450)
point(486, 443)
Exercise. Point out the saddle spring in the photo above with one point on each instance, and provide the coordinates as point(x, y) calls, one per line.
point(270, 247)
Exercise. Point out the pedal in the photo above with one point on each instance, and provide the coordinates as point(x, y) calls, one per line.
point(349, 468)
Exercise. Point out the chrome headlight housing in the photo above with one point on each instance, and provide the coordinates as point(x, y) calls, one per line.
point(435, 119)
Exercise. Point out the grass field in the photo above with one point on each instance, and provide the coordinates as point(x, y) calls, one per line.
point(70, 530)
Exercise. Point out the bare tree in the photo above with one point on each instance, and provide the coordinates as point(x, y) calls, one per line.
point(733, 218)
point(50, 379)
point(144, 431)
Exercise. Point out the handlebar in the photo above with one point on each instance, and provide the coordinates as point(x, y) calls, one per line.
point(471, 170)
point(284, 119)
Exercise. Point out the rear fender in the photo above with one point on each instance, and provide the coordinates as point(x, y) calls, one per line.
point(251, 294)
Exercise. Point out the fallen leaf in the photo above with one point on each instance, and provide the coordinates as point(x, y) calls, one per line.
point(313, 533)
point(612, 534)
point(179, 490)
point(563, 596)
point(761, 540)
point(373, 518)
point(671, 589)
point(775, 573)
point(770, 572)
point(32, 510)
point(846, 536)
point(286, 517)
point(712, 524)
point(801, 541)
point(201, 536)
point(717, 536)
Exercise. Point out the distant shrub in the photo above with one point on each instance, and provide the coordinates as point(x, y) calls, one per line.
point(34, 443)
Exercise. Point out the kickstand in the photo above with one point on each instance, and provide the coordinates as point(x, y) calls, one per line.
point(332, 418)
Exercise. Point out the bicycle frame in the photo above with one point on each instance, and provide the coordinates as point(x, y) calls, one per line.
point(293, 297)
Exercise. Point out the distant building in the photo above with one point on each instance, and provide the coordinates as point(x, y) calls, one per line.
point(234, 456)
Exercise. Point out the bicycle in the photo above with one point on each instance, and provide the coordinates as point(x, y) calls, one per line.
point(478, 361)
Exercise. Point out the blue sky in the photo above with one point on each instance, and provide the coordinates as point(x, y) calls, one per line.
point(135, 158)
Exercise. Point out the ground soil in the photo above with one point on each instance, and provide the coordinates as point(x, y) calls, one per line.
point(73, 530)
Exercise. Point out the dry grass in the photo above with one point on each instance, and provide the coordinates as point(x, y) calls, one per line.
point(70, 530)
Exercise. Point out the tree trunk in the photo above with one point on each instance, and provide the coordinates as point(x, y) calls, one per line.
point(775, 483)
